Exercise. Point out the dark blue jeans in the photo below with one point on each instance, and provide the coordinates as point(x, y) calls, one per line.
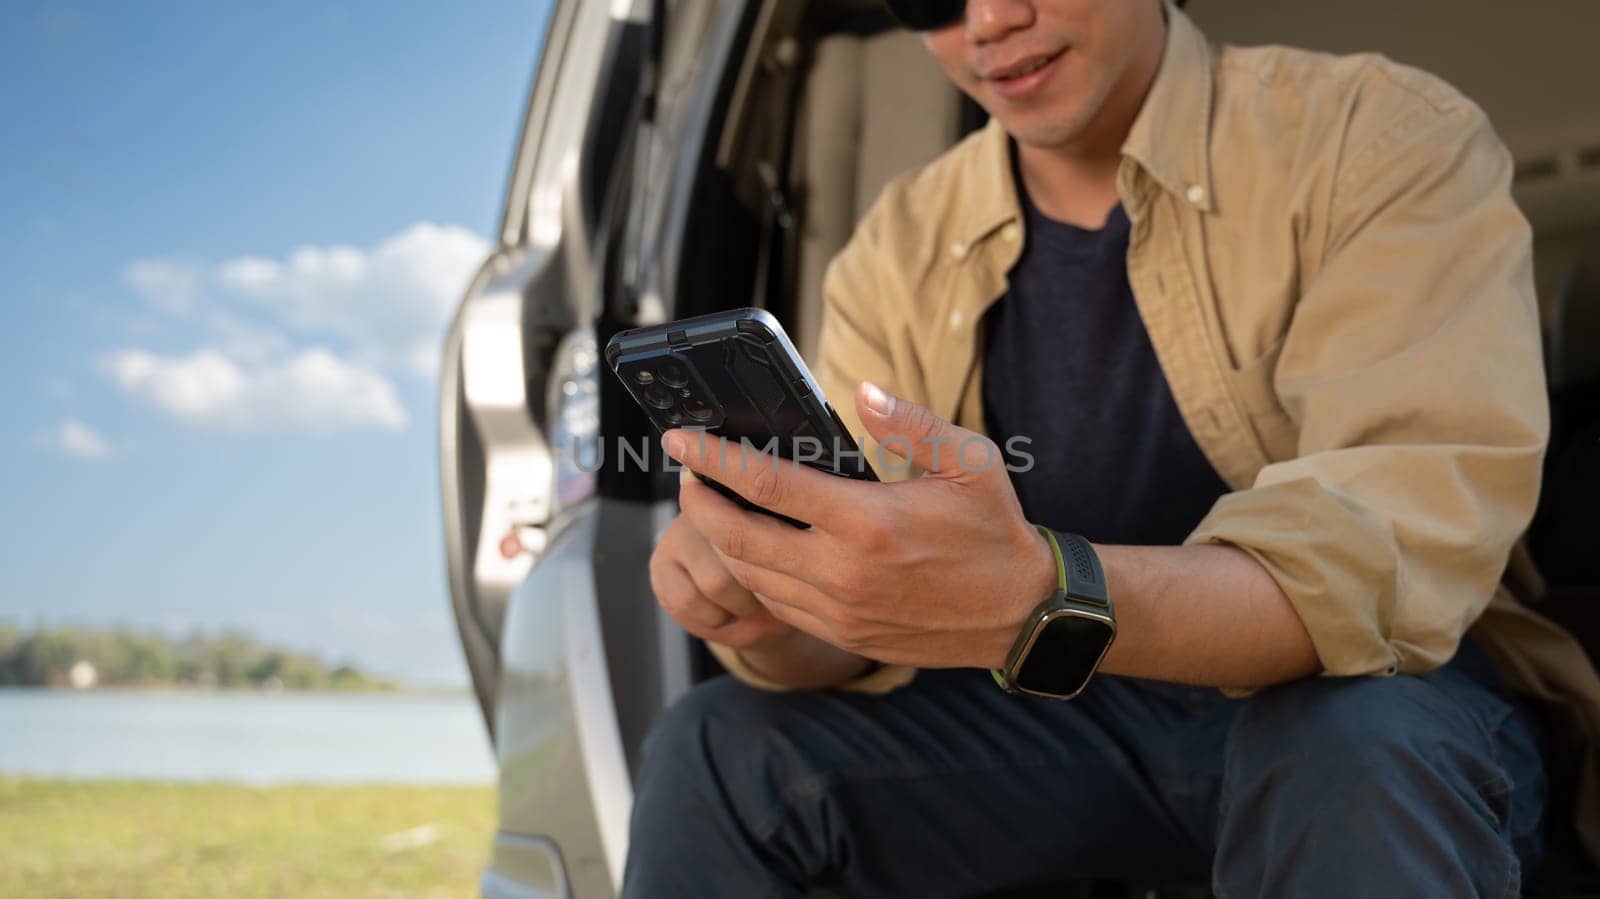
point(1428, 785)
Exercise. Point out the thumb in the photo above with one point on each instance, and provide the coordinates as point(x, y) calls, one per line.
point(913, 432)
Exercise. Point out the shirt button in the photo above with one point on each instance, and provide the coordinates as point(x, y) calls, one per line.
point(955, 319)
point(958, 250)
point(1196, 194)
point(1010, 233)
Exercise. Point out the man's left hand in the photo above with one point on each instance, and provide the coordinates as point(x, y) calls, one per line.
point(939, 571)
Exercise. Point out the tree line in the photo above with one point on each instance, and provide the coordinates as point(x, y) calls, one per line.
point(122, 657)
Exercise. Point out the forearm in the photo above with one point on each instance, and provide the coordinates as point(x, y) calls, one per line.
point(1202, 614)
point(802, 661)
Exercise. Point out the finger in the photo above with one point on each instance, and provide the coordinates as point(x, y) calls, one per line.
point(707, 569)
point(678, 594)
point(913, 432)
point(781, 485)
point(747, 536)
point(749, 631)
point(791, 600)
point(800, 619)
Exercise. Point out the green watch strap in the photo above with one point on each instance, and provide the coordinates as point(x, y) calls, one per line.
point(1078, 571)
point(1079, 576)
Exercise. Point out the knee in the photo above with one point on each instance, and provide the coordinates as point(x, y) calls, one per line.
point(722, 738)
point(1340, 741)
point(1316, 719)
point(1372, 786)
point(714, 718)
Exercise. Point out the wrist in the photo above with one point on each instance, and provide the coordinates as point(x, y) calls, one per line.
point(1042, 577)
point(799, 660)
point(782, 641)
point(1069, 632)
point(1037, 579)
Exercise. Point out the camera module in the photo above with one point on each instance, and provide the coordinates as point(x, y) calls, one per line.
point(673, 374)
point(658, 397)
point(698, 409)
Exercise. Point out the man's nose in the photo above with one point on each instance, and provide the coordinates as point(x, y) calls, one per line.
point(992, 20)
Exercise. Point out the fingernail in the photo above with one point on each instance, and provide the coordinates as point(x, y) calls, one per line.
point(878, 400)
point(685, 475)
point(672, 442)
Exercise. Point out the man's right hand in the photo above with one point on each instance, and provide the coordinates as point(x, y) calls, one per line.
point(696, 588)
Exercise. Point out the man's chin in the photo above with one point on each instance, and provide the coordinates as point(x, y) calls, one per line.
point(1047, 121)
point(1041, 133)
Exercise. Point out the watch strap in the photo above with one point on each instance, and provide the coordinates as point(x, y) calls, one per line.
point(1079, 573)
point(1080, 578)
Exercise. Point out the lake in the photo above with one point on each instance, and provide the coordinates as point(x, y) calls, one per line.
point(256, 738)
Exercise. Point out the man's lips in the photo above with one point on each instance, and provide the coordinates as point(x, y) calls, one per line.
point(1020, 68)
point(1025, 77)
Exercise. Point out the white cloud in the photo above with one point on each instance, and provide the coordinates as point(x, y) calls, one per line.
point(390, 302)
point(77, 440)
point(393, 301)
point(170, 286)
point(304, 340)
point(244, 340)
point(312, 389)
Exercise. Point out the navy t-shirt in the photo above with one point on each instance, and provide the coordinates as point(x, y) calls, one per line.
point(1067, 363)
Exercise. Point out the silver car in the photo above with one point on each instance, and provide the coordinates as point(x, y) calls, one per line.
point(682, 158)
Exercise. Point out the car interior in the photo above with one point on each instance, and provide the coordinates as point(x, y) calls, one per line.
point(830, 102)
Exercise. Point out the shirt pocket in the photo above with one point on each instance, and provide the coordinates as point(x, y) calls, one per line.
point(1274, 430)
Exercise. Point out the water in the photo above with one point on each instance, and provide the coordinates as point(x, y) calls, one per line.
point(256, 738)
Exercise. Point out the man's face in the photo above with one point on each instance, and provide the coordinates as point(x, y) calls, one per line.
point(1045, 68)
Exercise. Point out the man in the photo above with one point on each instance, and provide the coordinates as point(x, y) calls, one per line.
point(1265, 321)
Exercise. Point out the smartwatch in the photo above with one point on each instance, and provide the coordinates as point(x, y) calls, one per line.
point(1068, 634)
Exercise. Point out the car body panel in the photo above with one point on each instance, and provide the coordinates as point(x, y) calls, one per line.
point(562, 771)
point(524, 867)
point(533, 290)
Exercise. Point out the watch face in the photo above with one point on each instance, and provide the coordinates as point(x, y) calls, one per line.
point(1064, 653)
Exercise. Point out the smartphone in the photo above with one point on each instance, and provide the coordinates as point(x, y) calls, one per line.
point(736, 375)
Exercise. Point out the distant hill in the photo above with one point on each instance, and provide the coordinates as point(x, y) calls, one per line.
point(120, 657)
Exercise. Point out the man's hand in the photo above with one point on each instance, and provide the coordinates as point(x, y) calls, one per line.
point(695, 587)
point(691, 581)
point(936, 572)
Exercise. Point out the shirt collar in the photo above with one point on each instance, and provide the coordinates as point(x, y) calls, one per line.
point(1170, 138)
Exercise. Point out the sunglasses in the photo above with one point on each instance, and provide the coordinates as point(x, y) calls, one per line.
point(927, 15)
point(931, 15)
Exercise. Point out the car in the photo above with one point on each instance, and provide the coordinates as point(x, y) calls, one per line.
point(684, 158)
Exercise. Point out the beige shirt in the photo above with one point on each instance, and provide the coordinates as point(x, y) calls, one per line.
point(1339, 288)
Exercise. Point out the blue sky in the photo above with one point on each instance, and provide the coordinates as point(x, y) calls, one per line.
point(230, 236)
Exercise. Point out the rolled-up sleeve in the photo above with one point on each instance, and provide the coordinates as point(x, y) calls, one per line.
point(1412, 371)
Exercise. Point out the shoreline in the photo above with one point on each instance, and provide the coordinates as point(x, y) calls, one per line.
point(245, 736)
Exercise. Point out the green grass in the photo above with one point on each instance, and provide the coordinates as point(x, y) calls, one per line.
point(88, 839)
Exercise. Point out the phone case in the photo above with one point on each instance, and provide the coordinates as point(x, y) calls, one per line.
point(735, 374)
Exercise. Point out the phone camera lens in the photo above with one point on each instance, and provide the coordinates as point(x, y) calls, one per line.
point(698, 409)
point(644, 376)
point(656, 396)
point(674, 374)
